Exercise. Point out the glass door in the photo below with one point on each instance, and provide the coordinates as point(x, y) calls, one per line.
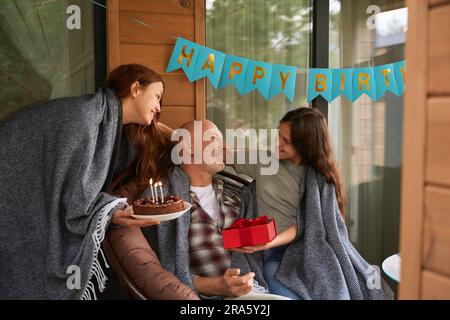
point(367, 135)
point(41, 58)
point(275, 31)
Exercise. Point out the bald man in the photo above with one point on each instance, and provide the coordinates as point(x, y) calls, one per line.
point(201, 150)
point(199, 156)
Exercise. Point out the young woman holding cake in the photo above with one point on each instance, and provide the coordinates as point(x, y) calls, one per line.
point(307, 200)
point(57, 160)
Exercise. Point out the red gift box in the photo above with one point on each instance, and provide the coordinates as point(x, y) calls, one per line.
point(249, 232)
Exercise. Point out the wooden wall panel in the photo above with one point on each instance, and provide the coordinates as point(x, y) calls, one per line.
point(113, 34)
point(425, 217)
point(155, 56)
point(413, 170)
point(166, 26)
point(145, 32)
point(158, 6)
point(438, 140)
point(179, 92)
point(436, 249)
point(434, 3)
point(176, 115)
point(435, 286)
point(439, 51)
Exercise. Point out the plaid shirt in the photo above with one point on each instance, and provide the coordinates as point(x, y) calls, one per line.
point(208, 258)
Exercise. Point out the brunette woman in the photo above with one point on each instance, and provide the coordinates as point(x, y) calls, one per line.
point(303, 141)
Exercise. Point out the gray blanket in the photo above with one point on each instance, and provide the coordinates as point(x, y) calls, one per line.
point(56, 161)
point(170, 239)
point(321, 263)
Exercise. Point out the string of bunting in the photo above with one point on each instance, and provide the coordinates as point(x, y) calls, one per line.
point(272, 79)
point(269, 79)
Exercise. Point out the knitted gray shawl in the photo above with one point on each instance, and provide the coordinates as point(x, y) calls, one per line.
point(55, 166)
point(321, 263)
point(170, 239)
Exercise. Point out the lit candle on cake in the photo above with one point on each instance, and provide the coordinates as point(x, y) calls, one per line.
point(162, 193)
point(151, 190)
point(156, 191)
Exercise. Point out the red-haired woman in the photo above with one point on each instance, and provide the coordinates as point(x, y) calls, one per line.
point(57, 161)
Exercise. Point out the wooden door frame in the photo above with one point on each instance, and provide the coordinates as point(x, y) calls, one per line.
point(413, 170)
point(113, 37)
point(200, 38)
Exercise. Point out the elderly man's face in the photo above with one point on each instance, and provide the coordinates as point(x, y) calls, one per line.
point(212, 149)
point(200, 143)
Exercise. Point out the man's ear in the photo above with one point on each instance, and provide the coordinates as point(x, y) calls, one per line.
point(134, 89)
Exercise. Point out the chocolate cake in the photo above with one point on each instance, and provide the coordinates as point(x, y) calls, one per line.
point(147, 207)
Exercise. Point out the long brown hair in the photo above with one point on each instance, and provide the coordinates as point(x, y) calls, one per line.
point(310, 137)
point(154, 145)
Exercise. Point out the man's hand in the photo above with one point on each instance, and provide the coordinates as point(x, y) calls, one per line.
point(231, 284)
point(123, 218)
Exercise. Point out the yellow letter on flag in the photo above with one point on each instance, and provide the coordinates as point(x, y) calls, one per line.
point(321, 82)
point(402, 69)
point(209, 63)
point(258, 75)
point(236, 68)
point(284, 79)
point(385, 73)
point(364, 80)
point(184, 55)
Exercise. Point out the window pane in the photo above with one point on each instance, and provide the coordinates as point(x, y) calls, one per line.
point(275, 31)
point(40, 58)
point(367, 135)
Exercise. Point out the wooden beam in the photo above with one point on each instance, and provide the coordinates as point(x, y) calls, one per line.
point(200, 38)
point(413, 170)
point(113, 35)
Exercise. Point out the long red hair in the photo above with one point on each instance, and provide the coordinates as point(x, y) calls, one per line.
point(310, 137)
point(154, 145)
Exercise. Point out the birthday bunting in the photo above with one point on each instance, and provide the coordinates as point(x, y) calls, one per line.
point(271, 79)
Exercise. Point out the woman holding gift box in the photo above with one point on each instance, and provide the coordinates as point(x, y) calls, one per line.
point(303, 139)
point(312, 257)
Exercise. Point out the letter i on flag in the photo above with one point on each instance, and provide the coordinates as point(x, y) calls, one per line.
point(342, 83)
point(363, 82)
